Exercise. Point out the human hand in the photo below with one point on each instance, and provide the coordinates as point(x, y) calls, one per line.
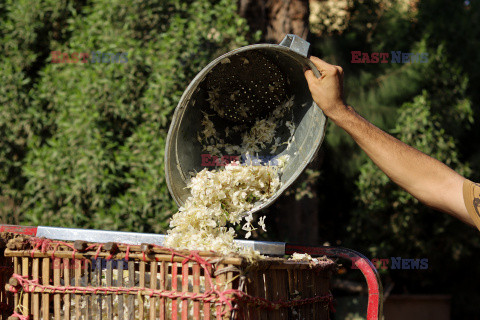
point(327, 91)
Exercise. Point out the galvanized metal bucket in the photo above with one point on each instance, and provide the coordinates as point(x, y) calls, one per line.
point(287, 60)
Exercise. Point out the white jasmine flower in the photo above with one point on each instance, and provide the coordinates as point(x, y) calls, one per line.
point(261, 223)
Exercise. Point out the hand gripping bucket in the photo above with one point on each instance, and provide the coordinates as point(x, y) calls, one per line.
point(248, 82)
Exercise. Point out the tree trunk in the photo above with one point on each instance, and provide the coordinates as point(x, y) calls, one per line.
point(298, 221)
point(276, 18)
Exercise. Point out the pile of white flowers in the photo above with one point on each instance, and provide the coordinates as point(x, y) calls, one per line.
point(303, 257)
point(217, 198)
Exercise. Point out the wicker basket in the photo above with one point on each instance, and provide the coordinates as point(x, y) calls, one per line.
point(65, 280)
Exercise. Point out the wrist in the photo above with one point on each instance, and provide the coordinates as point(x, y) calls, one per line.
point(340, 114)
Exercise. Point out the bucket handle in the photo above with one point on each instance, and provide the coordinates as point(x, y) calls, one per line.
point(296, 44)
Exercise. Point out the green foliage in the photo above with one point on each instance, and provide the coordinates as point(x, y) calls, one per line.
point(433, 123)
point(84, 143)
point(418, 127)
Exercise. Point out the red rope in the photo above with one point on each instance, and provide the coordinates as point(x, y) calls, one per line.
point(98, 251)
point(127, 253)
point(20, 316)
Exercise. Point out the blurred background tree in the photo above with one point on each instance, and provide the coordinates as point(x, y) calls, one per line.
point(82, 145)
point(275, 18)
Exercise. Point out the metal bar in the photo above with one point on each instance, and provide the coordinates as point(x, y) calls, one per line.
point(103, 236)
point(30, 231)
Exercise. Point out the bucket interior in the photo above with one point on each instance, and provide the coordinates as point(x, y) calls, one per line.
point(185, 155)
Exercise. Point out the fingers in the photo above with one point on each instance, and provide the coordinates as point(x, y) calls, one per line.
point(340, 73)
point(326, 70)
point(310, 76)
point(321, 65)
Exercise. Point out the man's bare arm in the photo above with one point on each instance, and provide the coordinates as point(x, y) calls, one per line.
point(424, 177)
